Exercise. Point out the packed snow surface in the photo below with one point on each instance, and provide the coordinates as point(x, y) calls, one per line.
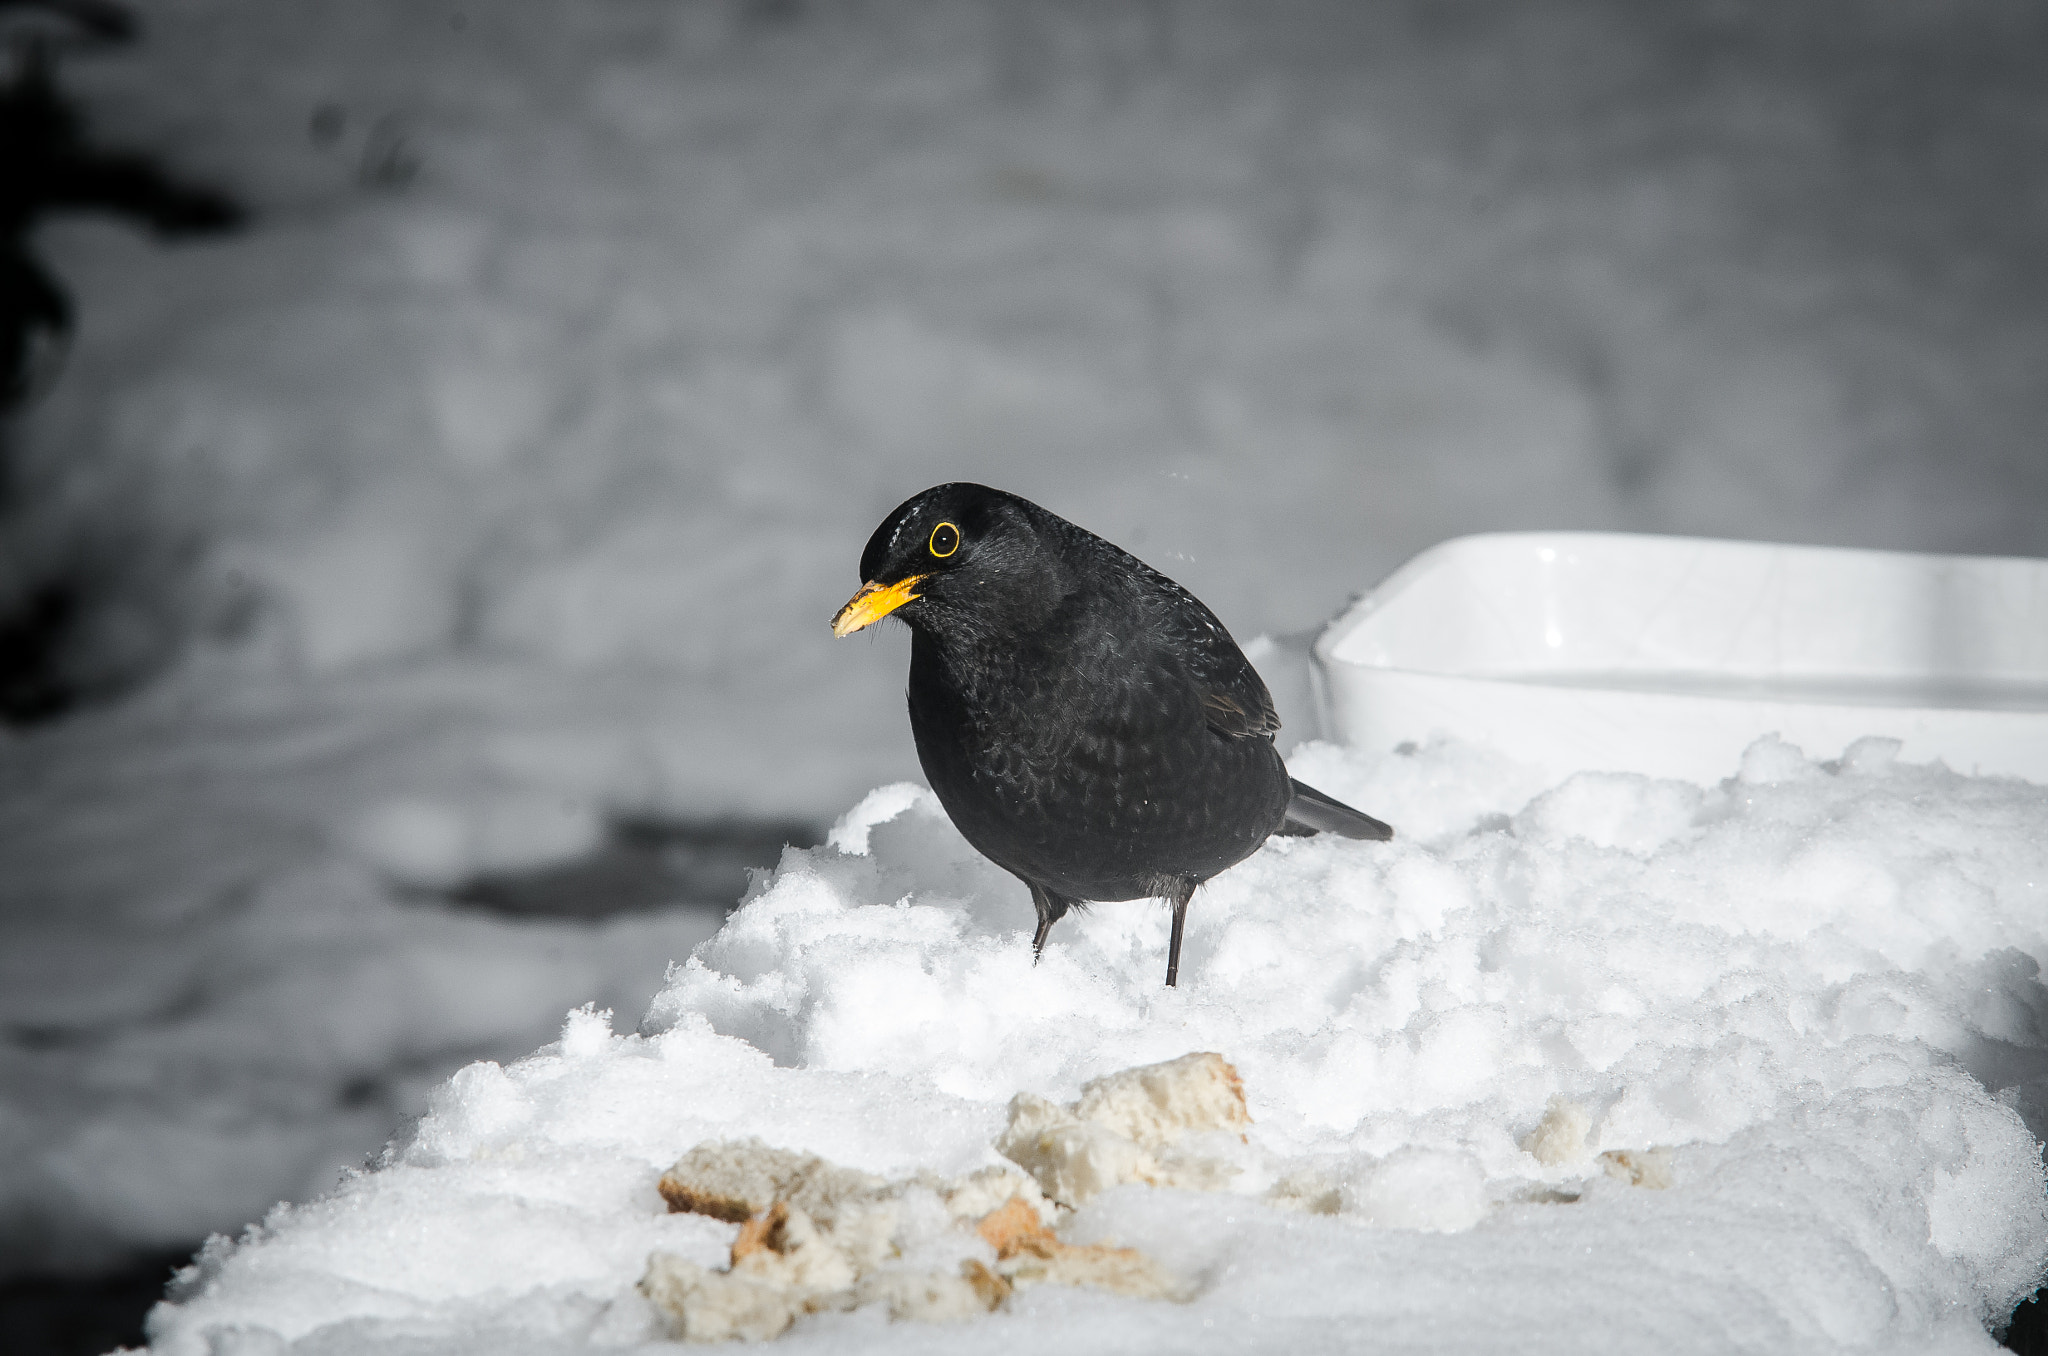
point(1615, 1064)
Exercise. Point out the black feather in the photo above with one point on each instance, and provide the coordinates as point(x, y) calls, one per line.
point(1310, 811)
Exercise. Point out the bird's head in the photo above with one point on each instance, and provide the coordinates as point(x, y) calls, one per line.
point(954, 554)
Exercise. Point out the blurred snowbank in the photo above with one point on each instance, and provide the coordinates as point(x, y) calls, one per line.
point(1817, 983)
point(602, 336)
point(226, 973)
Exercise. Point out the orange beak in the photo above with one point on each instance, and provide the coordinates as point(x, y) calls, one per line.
point(872, 603)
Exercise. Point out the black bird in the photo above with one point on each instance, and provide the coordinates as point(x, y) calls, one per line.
point(1090, 726)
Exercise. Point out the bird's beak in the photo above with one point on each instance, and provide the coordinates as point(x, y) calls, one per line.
point(872, 603)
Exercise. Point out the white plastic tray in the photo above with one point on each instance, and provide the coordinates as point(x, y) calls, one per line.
point(1668, 655)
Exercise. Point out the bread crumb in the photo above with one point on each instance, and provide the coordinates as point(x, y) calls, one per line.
point(1560, 1137)
point(1128, 1127)
point(815, 1236)
point(1649, 1168)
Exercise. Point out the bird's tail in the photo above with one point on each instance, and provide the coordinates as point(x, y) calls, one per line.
point(1310, 811)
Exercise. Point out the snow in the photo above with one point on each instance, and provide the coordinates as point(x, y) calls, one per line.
point(495, 488)
point(673, 301)
point(221, 982)
point(1806, 998)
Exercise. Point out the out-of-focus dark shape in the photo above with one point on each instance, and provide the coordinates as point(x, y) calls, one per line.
point(2026, 1331)
point(48, 165)
point(82, 1315)
point(31, 686)
point(389, 160)
point(647, 864)
point(86, 22)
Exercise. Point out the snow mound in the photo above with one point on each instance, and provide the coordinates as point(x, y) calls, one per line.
point(1804, 1003)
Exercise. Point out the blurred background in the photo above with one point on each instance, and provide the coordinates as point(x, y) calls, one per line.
point(438, 433)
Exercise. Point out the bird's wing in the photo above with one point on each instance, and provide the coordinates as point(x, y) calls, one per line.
point(1231, 715)
point(1234, 698)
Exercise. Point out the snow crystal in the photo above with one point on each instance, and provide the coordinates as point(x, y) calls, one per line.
point(1416, 1188)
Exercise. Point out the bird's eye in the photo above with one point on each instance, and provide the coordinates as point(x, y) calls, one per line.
point(945, 540)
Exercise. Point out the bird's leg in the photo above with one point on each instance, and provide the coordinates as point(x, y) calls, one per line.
point(1181, 896)
point(1051, 908)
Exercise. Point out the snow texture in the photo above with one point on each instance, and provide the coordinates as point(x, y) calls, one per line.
point(1797, 1014)
point(592, 336)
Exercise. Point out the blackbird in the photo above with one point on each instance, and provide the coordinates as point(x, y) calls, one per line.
point(1088, 724)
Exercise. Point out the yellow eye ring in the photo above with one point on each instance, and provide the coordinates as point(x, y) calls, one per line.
point(945, 540)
